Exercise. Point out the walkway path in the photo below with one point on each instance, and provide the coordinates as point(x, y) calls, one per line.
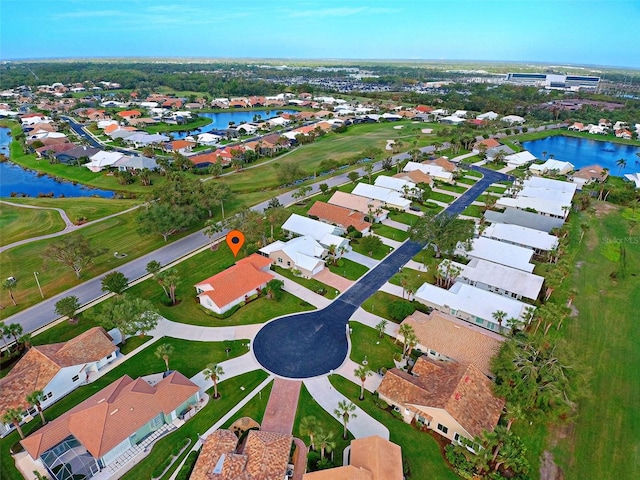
point(280, 412)
point(361, 259)
point(328, 398)
point(394, 224)
point(69, 225)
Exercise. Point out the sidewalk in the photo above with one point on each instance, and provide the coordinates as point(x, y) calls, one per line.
point(393, 224)
point(361, 259)
point(328, 398)
point(167, 328)
point(371, 320)
point(387, 241)
point(232, 368)
point(346, 370)
point(301, 292)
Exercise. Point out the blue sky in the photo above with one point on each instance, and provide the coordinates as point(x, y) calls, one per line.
point(554, 31)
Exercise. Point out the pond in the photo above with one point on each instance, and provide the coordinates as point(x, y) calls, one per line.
point(23, 182)
point(222, 120)
point(582, 152)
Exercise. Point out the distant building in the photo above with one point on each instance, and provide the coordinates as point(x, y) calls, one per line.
point(555, 81)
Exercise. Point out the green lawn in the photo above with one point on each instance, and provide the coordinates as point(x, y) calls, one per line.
point(473, 211)
point(18, 223)
point(605, 441)
point(378, 255)
point(378, 304)
point(403, 217)
point(419, 449)
point(472, 173)
point(467, 181)
point(442, 197)
point(390, 232)
point(203, 420)
point(451, 188)
point(483, 198)
point(91, 208)
point(310, 283)
point(493, 189)
point(117, 234)
point(307, 406)
point(366, 342)
point(254, 408)
point(415, 278)
point(348, 269)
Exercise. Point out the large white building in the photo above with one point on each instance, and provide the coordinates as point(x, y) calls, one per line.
point(521, 236)
point(390, 198)
point(503, 253)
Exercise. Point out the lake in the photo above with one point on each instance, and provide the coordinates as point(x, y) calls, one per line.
point(18, 180)
point(582, 152)
point(222, 120)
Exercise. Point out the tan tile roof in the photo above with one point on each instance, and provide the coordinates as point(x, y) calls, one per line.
point(415, 176)
point(234, 282)
point(461, 390)
point(341, 216)
point(444, 163)
point(377, 455)
point(348, 472)
point(354, 202)
point(264, 457)
point(41, 363)
point(456, 339)
point(489, 143)
point(114, 413)
point(591, 172)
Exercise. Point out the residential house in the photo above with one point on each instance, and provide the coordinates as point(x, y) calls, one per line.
point(624, 133)
point(234, 285)
point(539, 241)
point(442, 162)
point(209, 139)
point(47, 151)
point(203, 160)
point(488, 143)
point(404, 187)
point(262, 456)
point(135, 164)
point(490, 115)
point(452, 120)
point(473, 305)
point(416, 177)
point(370, 458)
point(503, 253)
point(102, 160)
point(389, 198)
point(434, 171)
point(541, 206)
point(552, 166)
point(577, 127)
point(454, 400)
point(179, 146)
point(127, 114)
point(634, 178)
point(140, 139)
point(520, 159)
point(321, 232)
point(512, 119)
point(500, 279)
point(360, 204)
point(526, 219)
point(74, 154)
point(445, 338)
point(340, 216)
point(110, 425)
point(589, 174)
point(56, 369)
point(301, 253)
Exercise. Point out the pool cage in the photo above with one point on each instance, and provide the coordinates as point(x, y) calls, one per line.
point(69, 460)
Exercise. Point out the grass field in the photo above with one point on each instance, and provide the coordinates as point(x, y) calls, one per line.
point(116, 234)
point(310, 283)
point(474, 211)
point(605, 442)
point(403, 217)
point(419, 449)
point(348, 269)
point(442, 197)
point(18, 223)
point(367, 343)
point(378, 304)
point(91, 208)
point(389, 232)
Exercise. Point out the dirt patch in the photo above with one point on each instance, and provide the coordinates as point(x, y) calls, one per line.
point(574, 311)
point(548, 469)
point(604, 208)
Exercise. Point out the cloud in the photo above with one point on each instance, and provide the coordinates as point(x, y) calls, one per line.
point(89, 14)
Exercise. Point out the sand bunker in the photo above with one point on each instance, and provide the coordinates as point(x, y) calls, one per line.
point(398, 127)
point(390, 144)
point(427, 130)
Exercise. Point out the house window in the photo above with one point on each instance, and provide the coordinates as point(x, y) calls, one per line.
point(279, 260)
point(75, 378)
point(49, 395)
point(442, 428)
point(479, 321)
point(288, 264)
point(456, 437)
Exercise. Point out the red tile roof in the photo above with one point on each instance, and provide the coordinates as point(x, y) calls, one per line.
point(129, 113)
point(114, 413)
point(424, 109)
point(234, 282)
point(180, 144)
point(340, 216)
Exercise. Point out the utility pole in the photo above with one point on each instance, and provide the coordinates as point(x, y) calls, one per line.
point(35, 274)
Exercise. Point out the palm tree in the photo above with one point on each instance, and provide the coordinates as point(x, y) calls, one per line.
point(309, 426)
point(362, 373)
point(325, 441)
point(404, 330)
point(345, 411)
point(35, 399)
point(164, 351)
point(410, 341)
point(381, 327)
point(621, 163)
point(213, 372)
point(499, 316)
point(9, 284)
point(14, 415)
point(212, 229)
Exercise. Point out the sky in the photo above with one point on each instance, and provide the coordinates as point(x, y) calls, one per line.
point(588, 32)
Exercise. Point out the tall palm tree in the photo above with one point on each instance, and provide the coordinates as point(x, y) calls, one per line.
point(35, 399)
point(164, 351)
point(404, 330)
point(499, 317)
point(14, 416)
point(345, 411)
point(213, 372)
point(621, 163)
point(325, 441)
point(309, 426)
point(9, 284)
point(362, 373)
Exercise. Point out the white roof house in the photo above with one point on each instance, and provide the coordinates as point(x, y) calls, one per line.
point(452, 120)
point(521, 236)
point(519, 159)
point(511, 119)
point(435, 171)
point(491, 115)
point(550, 184)
point(143, 139)
point(359, 204)
point(500, 279)
point(102, 160)
point(305, 253)
point(397, 184)
point(547, 194)
point(503, 253)
point(301, 226)
point(389, 197)
point(209, 138)
point(552, 165)
point(633, 177)
point(472, 304)
point(541, 206)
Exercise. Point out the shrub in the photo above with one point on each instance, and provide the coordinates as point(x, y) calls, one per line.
point(187, 467)
point(400, 309)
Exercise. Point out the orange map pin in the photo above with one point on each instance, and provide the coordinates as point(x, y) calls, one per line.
point(235, 240)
